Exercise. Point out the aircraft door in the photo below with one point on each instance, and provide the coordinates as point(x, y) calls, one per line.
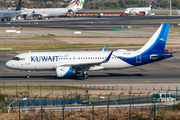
point(138, 59)
point(27, 60)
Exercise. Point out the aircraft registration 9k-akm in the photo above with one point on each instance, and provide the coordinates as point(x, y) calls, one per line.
point(67, 64)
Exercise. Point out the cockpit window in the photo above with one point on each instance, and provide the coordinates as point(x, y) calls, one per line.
point(16, 58)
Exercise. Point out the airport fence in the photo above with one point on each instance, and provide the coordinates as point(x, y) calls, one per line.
point(94, 111)
point(66, 99)
point(140, 87)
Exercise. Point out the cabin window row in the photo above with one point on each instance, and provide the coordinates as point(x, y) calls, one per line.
point(87, 58)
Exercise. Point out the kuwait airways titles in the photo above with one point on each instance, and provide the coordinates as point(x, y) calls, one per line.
point(46, 58)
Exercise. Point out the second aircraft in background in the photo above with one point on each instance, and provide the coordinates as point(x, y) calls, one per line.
point(139, 10)
point(52, 12)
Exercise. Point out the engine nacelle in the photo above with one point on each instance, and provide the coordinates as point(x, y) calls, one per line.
point(64, 71)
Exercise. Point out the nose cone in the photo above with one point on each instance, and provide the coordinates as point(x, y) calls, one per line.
point(8, 64)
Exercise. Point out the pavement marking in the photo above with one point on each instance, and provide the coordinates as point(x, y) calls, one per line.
point(148, 82)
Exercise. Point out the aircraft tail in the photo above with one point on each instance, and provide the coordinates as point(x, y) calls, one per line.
point(152, 3)
point(157, 42)
point(79, 4)
point(9, 7)
point(19, 6)
point(71, 4)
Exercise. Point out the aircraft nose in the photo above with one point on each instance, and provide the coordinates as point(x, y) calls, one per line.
point(8, 64)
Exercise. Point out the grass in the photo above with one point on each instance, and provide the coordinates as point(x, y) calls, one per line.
point(97, 114)
point(48, 88)
point(27, 47)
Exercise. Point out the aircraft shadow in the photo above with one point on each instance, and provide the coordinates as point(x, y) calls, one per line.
point(108, 75)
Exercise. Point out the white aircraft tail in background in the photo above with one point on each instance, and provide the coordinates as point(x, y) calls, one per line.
point(74, 7)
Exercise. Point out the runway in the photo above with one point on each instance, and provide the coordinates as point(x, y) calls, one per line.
point(162, 72)
point(92, 23)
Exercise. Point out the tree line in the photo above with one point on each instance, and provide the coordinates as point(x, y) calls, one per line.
point(90, 5)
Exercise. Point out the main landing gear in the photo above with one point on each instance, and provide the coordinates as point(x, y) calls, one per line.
point(85, 75)
point(28, 74)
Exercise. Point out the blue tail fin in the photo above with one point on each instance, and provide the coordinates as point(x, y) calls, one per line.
point(158, 41)
point(152, 3)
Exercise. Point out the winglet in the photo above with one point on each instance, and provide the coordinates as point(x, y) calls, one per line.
point(108, 58)
point(104, 49)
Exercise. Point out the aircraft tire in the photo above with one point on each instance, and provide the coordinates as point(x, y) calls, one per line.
point(85, 75)
point(28, 76)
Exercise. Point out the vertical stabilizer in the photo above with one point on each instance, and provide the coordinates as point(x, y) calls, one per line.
point(9, 7)
point(158, 41)
point(71, 4)
point(152, 3)
point(19, 6)
point(79, 4)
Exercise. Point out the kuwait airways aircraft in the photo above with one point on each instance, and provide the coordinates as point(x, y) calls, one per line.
point(68, 64)
point(140, 10)
point(53, 12)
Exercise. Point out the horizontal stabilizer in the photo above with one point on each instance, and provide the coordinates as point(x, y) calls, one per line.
point(157, 56)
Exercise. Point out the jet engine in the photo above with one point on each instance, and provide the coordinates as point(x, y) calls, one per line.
point(64, 71)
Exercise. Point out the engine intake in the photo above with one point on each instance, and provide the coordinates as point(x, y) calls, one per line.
point(64, 71)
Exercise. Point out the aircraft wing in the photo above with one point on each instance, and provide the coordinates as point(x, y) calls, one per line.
point(88, 64)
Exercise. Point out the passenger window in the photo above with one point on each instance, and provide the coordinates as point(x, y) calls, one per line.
point(167, 95)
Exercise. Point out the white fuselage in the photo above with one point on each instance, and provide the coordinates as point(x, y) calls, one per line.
point(8, 14)
point(146, 10)
point(50, 60)
point(45, 12)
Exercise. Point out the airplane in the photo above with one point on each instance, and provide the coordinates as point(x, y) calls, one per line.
point(140, 10)
point(13, 8)
point(9, 15)
point(69, 64)
point(53, 12)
